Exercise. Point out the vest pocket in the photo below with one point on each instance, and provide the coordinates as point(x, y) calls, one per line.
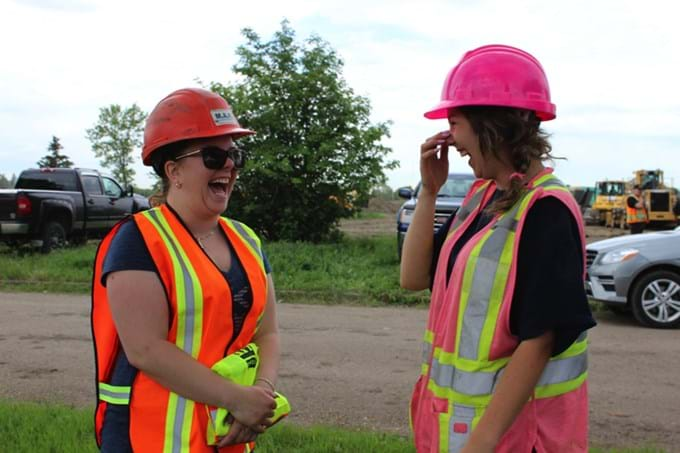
point(455, 424)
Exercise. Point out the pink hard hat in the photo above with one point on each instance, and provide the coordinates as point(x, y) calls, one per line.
point(496, 75)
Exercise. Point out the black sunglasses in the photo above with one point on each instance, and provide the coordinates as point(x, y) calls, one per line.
point(215, 157)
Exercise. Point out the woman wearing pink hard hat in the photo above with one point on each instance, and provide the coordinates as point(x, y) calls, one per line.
point(505, 350)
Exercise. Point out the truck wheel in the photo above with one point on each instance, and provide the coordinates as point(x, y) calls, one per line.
point(78, 239)
point(656, 299)
point(53, 236)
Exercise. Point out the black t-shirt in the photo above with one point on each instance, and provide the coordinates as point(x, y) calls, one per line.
point(549, 288)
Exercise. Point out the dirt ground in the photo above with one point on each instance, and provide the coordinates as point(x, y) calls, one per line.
point(352, 366)
point(387, 222)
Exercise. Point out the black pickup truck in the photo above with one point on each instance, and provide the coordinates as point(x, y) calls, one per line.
point(51, 206)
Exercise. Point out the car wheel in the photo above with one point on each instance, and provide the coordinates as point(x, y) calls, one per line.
point(656, 299)
point(53, 236)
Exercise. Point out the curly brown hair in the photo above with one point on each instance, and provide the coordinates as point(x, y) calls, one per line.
point(516, 132)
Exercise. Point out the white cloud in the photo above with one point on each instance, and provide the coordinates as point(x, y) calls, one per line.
point(612, 65)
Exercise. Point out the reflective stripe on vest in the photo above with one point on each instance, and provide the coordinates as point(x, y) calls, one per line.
point(559, 370)
point(189, 298)
point(114, 394)
point(635, 215)
point(468, 372)
point(467, 208)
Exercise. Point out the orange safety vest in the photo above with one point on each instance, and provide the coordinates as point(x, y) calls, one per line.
point(636, 215)
point(199, 301)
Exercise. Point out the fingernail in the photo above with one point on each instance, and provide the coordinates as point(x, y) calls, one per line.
point(444, 134)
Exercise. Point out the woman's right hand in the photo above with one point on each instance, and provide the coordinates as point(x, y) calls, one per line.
point(254, 407)
point(434, 170)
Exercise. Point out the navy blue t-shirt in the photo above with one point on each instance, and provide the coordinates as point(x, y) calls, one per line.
point(128, 252)
point(549, 287)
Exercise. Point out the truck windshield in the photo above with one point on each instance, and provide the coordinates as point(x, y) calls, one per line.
point(47, 181)
point(456, 187)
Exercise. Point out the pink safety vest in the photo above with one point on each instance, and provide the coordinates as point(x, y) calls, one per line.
point(468, 341)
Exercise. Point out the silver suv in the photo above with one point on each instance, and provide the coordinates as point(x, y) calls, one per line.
point(638, 273)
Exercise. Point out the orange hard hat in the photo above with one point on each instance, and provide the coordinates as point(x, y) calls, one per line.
point(187, 114)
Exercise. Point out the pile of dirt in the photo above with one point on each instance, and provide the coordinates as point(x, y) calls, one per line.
point(385, 206)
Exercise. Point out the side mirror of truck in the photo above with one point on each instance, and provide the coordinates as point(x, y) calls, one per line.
point(129, 191)
point(405, 192)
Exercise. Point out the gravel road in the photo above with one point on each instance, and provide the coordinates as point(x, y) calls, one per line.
point(353, 366)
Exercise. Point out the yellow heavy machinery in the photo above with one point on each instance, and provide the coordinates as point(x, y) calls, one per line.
point(609, 205)
point(661, 200)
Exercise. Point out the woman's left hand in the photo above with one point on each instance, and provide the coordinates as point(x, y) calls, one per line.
point(238, 434)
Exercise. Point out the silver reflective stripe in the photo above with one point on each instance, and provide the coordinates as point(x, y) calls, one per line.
point(427, 352)
point(461, 415)
point(110, 396)
point(190, 307)
point(479, 383)
point(467, 208)
point(465, 382)
point(244, 234)
point(477, 307)
point(582, 337)
point(563, 370)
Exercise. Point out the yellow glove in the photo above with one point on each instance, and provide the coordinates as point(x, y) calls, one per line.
point(240, 367)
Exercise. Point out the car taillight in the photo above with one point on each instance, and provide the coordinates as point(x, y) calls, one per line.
point(23, 205)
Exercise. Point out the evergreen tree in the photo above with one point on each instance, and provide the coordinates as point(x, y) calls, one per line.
point(54, 159)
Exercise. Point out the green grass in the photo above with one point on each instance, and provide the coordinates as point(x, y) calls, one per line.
point(31, 427)
point(370, 215)
point(63, 271)
point(362, 271)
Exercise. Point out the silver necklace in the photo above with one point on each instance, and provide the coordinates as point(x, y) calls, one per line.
point(203, 237)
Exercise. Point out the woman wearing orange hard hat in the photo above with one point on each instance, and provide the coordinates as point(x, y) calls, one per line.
point(177, 289)
point(505, 351)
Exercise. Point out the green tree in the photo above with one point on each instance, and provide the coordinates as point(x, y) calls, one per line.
point(114, 138)
point(7, 183)
point(384, 192)
point(316, 154)
point(54, 159)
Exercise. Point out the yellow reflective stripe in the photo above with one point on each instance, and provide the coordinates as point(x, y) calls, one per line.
point(467, 208)
point(543, 179)
point(576, 348)
point(114, 394)
point(247, 235)
point(428, 339)
point(551, 390)
point(189, 337)
point(452, 395)
point(189, 300)
point(428, 336)
point(444, 429)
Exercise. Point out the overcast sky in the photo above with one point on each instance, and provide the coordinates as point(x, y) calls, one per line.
point(613, 67)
